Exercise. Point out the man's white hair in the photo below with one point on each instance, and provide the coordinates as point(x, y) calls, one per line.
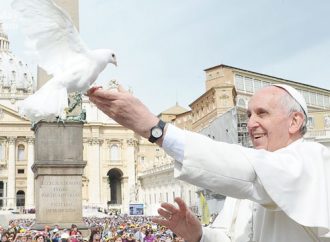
point(292, 105)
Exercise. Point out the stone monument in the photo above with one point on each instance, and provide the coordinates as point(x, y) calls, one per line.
point(58, 170)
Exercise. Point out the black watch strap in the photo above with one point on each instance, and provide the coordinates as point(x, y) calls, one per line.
point(161, 124)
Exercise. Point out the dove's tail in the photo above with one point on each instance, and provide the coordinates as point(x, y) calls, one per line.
point(47, 103)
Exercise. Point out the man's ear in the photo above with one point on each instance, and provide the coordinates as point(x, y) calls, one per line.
point(297, 122)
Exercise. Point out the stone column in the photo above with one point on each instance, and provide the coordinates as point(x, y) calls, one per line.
point(11, 192)
point(94, 186)
point(30, 176)
point(125, 194)
point(5, 192)
point(131, 171)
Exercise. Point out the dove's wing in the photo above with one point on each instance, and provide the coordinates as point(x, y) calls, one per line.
point(56, 39)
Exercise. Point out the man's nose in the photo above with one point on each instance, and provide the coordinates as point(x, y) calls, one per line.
point(252, 122)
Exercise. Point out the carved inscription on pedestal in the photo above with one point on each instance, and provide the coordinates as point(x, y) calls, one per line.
point(60, 196)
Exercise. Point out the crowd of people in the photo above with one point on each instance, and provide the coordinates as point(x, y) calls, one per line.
point(116, 228)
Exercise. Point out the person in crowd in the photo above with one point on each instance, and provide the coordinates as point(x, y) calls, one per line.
point(149, 237)
point(118, 239)
point(11, 236)
point(140, 234)
point(28, 238)
point(97, 238)
point(271, 189)
point(23, 237)
point(74, 233)
point(130, 238)
point(73, 230)
point(1, 230)
point(56, 237)
point(4, 236)
point(40, 238)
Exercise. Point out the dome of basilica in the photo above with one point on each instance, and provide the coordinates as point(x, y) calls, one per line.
point(15, 77)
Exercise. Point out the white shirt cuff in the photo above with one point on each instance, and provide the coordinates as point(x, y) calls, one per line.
point(173, 142)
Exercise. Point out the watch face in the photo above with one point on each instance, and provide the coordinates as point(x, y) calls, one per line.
point(157, 132)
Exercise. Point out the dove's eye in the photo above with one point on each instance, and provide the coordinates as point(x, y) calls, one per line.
point(113, 55)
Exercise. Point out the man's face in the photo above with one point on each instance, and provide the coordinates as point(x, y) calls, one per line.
point(96, 238)
point(269, 120)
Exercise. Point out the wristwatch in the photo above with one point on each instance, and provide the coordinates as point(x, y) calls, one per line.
point(157, 131)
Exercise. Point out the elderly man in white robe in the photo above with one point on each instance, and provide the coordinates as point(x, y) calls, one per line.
point(277, 192)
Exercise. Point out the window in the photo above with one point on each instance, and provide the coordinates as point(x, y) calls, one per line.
point(183, 194)
point(20, 171)
point(327, 122)
point(21, 152)
point(1, 188)
point(249, 84)
point(326, 101)
point(13, 74)
point(239, 82)
point(313, 98)
point(257, 85)
point(319, 98)
point(306, 96)
point(265, 84)
point(114, 152)
point(20, 198)
point(241, 103)
point(310, 122)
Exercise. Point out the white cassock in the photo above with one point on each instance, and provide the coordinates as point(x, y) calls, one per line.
point(281, 196)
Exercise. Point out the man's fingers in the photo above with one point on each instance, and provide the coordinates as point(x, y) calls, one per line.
point(106, 94)
point(92, 90)
point(182, 205)
point(100, 100)
point(161, 221)
point(170, 208)
point(121, 89)
point(164, 213)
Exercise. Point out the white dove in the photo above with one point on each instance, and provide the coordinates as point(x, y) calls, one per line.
point(62, 54)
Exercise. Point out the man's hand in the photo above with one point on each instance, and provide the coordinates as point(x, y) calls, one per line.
point(180, 220)
point(124, 108)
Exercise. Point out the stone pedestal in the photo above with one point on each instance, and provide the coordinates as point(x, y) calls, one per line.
point(58, 170)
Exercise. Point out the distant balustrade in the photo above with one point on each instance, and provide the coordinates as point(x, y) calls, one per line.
point(158, 169)
point(318, 134)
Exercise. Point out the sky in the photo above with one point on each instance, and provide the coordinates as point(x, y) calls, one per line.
point(163, 47)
